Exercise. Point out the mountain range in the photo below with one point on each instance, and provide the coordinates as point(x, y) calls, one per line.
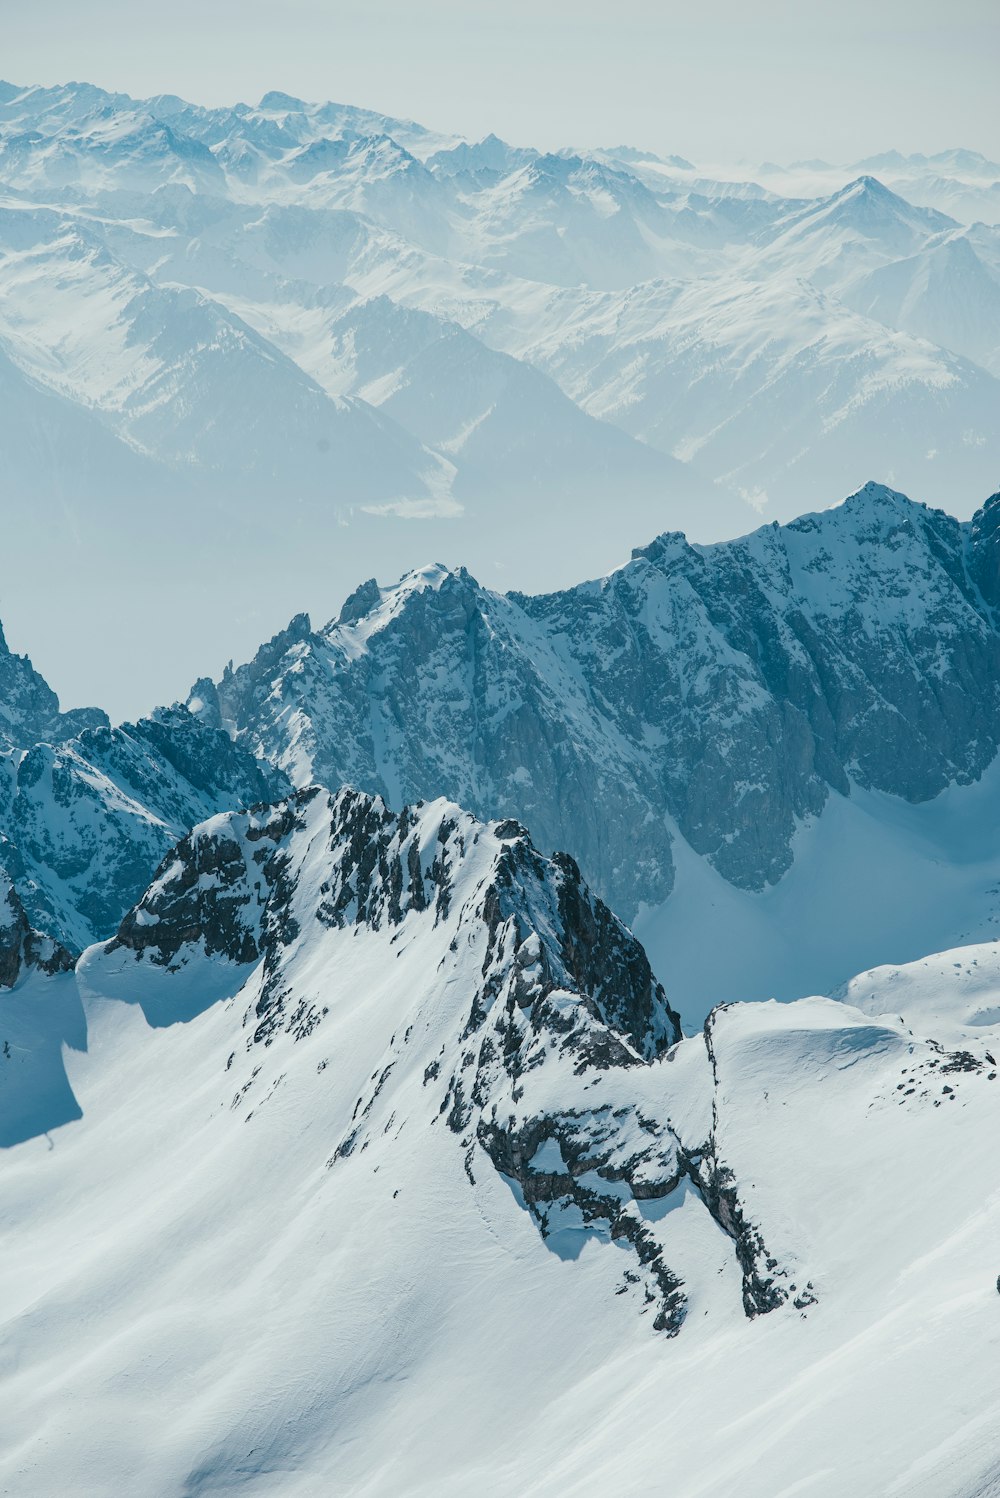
point(745, 733)
point(428, 344)
point(362, 1132)
point(537, 1031)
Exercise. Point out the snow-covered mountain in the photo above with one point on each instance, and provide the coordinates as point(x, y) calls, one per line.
point(182, 380)
point(720, 692)
point(87, 811)
point(962, 183)
point(765, 383)
point(744, 734)
point(522, 450)
point(372, 1139)
point(362, 1149)
point(945, 293)
point(84, 821)
point(29, 709)
point(403, 343)
point(23, 950)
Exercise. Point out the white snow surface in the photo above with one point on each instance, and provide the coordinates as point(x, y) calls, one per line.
point(197, 1301)
point(875, 880)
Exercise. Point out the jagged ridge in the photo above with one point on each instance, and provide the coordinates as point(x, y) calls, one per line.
point(721, 690)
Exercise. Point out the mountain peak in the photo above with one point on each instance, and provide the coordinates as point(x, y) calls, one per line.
point(29, 708)
point(367, 596)
point(276, 100)
point(663, 548)
point(370, 607)
point(869, 191)
point(868, 184)
point(874, 494)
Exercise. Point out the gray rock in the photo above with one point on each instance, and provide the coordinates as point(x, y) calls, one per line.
point(85, 821)
point(29, 709)
point(22, 947)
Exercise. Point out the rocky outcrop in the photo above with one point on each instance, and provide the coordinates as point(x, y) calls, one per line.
point(21, 947)
point(29, 709)
point(557, 983)
point(85, 821)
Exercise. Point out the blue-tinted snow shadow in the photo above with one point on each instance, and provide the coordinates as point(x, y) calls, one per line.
point(656, 1208)
point(165, 996)
point(38, 1017)
point(42, 1015)
point(564, 1232)
point(179, 1002)
point(567, 1242)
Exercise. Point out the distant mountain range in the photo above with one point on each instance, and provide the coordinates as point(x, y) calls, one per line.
point(352, 343)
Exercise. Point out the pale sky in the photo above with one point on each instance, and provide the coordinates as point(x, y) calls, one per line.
point(723, 79)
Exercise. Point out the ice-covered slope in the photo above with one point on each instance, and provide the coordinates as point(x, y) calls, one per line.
point(720, 691)
point(384, 1148)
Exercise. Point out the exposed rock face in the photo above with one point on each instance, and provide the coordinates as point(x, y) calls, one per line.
point(724, 690)
point(21, 946)
point(215, 889)
point(29, 709)
point(984, 551)
point(234, 888)
point(85, 821)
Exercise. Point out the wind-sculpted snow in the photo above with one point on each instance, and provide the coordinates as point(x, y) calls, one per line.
point(724, 691)
point(404, 1151)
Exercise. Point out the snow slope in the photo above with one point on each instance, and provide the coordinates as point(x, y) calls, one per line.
point(365, 1194)
point(947, 293)
point(874, 881)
